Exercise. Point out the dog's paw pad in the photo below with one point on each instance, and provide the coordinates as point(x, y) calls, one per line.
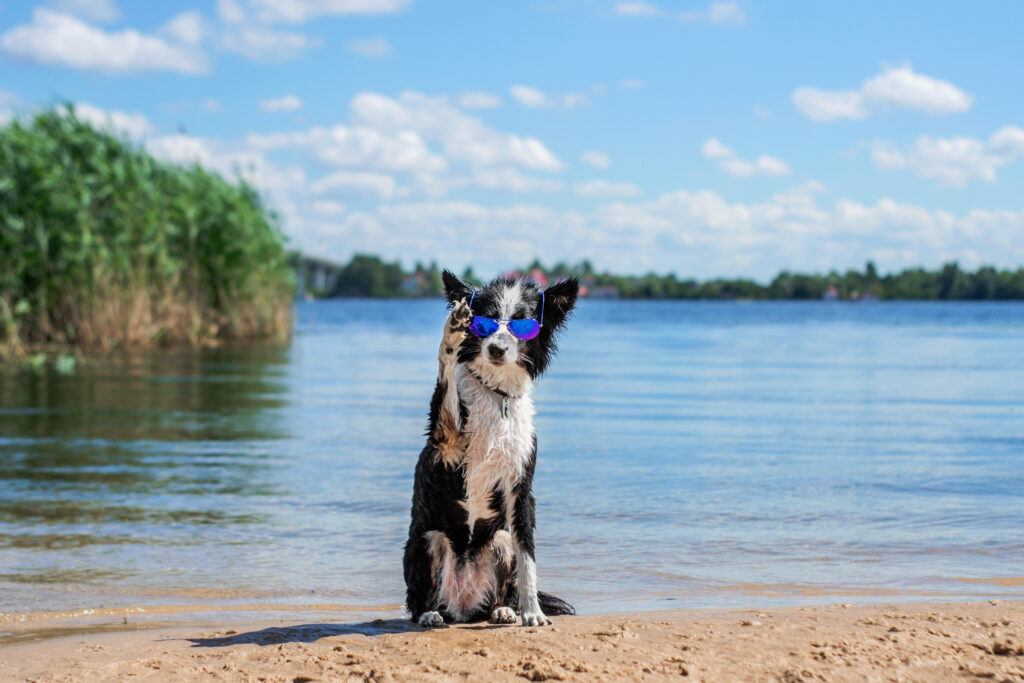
point(503, 615)
point(430, 620)
point(535, 619)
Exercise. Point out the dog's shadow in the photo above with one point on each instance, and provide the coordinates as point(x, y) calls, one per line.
point(307, 633)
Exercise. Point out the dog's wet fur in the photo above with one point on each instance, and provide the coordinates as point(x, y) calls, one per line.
point(470, 553)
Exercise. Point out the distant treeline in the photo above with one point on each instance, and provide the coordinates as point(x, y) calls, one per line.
point(102, 246)
point(369, 276)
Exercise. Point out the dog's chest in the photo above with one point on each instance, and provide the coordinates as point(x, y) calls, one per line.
point(500, 443)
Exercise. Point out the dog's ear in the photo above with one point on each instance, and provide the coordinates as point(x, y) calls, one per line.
point(559, 300)
point(454, 289)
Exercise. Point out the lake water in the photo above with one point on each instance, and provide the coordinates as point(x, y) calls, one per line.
point(691, 455)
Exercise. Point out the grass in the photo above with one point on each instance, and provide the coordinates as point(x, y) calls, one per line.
point(103, 247)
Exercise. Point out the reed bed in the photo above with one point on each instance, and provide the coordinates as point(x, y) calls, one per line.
point(103, 247)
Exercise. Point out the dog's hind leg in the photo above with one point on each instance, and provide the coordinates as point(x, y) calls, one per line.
point(446, 423)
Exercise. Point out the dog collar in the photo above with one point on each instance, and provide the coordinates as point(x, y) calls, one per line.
point(505, 396)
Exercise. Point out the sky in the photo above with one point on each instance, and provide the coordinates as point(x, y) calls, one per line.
point(709, 139)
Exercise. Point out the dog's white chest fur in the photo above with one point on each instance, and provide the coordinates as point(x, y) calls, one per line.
point(498, 447)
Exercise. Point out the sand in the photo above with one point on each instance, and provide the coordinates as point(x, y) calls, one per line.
point(919, 642)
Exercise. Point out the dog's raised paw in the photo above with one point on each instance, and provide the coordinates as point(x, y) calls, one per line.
point(503, 615)
point(460, 317)
point(535, 619)
point(430, 620)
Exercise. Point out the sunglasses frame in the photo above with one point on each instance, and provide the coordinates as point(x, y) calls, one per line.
point(504, 323)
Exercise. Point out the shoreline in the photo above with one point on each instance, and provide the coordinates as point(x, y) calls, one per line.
point(981, 640)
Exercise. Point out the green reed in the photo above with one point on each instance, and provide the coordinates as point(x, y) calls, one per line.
point(104, 247)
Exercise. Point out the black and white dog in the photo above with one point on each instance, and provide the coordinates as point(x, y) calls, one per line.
point(470, 553)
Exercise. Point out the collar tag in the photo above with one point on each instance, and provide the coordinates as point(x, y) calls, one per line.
point(504, 407)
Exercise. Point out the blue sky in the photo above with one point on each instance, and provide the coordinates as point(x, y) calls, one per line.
point(708, 139)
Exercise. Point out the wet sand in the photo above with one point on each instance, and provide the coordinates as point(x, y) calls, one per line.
point(916, 642)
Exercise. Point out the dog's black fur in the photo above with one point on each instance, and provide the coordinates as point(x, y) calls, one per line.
point(501, 536)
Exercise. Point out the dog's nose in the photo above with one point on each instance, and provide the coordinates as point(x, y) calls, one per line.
point(497, 353)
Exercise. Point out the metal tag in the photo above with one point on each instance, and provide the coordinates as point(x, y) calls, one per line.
point(504, 407)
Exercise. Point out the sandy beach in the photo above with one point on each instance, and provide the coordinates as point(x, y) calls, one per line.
point(906, 642)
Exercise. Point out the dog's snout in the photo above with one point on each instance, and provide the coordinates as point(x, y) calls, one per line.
point(496, 352)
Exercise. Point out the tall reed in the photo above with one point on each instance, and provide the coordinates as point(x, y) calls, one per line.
point(103, 247)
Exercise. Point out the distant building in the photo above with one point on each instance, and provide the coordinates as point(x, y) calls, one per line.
point(831, 294)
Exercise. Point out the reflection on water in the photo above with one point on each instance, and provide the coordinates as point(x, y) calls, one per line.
point(691, 454)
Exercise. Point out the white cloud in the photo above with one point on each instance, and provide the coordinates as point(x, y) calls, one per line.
point(345, 146)
point(727, 160)
point(188, 27)
point(462, 137)
point(213, 106)
point(135, 126)
point(261, 44)
point(535, 99)
point(301, 11)
point(632, 84)
point(357, 183)
point(478, 100)
point(283, 103)
point(327, 207)
point(511, 179)
point(636, 9)
point(8, 98)
point(100, 11)
point(953, 162)
point(606, 189)
point(596, 158)
point(895, 87)
point(693, 233)
point(60, 39)
point(375, 47)
point(231, 11)
point(718, 13)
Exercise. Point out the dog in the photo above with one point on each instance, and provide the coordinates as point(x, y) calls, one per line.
point(470, 553)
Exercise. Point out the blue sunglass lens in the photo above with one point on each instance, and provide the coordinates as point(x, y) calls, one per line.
point(525, 329)
point(483, 327)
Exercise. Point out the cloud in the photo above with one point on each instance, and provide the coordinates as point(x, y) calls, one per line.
point(327, 207)
point(99, 11)
point(135, 126)
point(632, 84)
point(953, 162)
point(596, 158)
point(535, 99)
point(63, 40)
point(717, 13)
point(461, 137)
point(189, 28)
point(261, 44)
point(636, 9)
point(695, 233)
point(606, 189)
point(213, 106)
point(283, 103)
point(301, 11)
point(896, 87)
point(478, 100)
point(727, 160)
point(355, 183)
point(376, 47)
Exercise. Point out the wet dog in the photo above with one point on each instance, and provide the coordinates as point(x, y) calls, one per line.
point(470, 553)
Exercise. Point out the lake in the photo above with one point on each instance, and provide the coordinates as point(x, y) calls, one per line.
point(692, 454)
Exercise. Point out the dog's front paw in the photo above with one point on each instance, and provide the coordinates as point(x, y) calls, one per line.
point(503, 615)
point(535, 618)
point(455, 327)
point(430, 620)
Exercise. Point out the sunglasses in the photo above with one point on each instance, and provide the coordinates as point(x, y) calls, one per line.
point(521, 328)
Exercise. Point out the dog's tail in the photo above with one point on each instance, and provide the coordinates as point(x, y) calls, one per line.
point(552, 606)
